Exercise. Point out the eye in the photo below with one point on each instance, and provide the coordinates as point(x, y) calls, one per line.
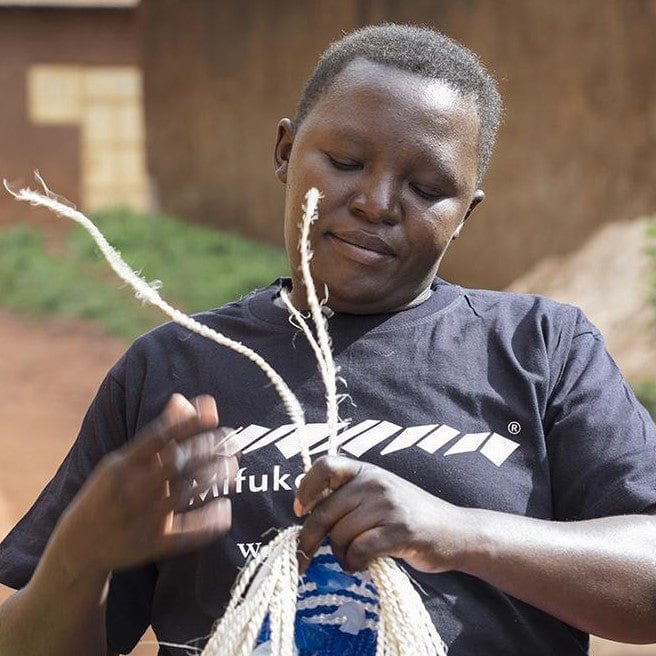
point(343, 164)
point(427, 194)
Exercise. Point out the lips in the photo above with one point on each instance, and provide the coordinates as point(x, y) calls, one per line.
point(361, 248)
point(364, 240)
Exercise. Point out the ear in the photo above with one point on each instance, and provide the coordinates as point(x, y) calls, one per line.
point(283, 149)
point(477, 198)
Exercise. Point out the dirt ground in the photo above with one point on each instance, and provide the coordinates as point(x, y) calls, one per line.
point(608, 277)
point(49, 372)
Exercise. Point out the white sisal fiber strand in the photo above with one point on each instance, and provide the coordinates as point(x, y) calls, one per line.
point(148, 292)
point(267, 586)
point(327, 366)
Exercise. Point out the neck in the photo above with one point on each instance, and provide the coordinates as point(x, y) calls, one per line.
point(300, 302)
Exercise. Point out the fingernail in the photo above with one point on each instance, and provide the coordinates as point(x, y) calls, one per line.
point(298, 508)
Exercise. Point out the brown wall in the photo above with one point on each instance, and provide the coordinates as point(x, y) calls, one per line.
point(578, 147)
point(214, 92)
point(51, 36)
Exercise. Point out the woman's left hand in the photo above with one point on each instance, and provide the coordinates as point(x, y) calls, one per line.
point(369, 512)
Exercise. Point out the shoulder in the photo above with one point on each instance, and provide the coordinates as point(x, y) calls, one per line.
point(492, 302)
point(527, 312)
point(531, 327)
point(231, 320)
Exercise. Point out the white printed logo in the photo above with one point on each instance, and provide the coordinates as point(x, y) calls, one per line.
point(354, 440)
point(360, 438)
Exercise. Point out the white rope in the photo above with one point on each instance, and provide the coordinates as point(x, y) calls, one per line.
point(148, 292)
point(267, 585)
point(298, 320)
point(327, 366)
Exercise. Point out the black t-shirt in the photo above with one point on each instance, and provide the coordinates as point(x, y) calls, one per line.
point(485, 399)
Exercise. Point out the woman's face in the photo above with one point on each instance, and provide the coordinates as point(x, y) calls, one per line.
point(395, 156)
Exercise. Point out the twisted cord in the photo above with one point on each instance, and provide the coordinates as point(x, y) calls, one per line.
point(267, 583)
point(327, 367)
point(298, 320)
point(148, 292)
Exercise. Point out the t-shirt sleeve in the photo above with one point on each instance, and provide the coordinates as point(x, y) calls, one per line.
point(103, 430)
point(601, 442)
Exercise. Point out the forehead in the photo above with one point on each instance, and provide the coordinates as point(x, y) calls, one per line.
point(379, 102)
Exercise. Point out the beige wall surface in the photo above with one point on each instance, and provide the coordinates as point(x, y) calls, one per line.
point(45, 55)
point(578, 145)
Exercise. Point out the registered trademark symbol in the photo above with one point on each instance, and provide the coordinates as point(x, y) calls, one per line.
point(514, 427)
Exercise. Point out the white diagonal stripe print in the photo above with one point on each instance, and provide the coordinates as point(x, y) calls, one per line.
point(498, 448)
point(363, 436)
point(270, 437)
point(310, 434)
point(438, 438)
point(365, 441)
point(244, 437)
point(346, 435)
point(467, 443)
point(407, 438)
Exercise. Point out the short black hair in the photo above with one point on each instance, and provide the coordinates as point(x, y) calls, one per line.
point(420, 50)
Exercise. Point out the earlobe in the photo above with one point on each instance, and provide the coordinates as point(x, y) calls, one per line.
point(283, 149)
point(476, 200)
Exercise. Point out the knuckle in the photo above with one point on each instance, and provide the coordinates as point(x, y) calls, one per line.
point(319, 518)
point(323, 466)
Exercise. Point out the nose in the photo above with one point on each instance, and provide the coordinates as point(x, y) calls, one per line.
point(376, 199)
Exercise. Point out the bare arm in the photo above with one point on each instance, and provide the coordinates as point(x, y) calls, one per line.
point(129, 512)
point(58, 612)
point(597, 575)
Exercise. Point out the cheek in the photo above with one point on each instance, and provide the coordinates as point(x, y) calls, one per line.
point(314, 170)
point(446, 221)
point(432, 231)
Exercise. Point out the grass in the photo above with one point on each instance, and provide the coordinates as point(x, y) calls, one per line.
point(651, 254)
point(200, 268)
point(645, 390)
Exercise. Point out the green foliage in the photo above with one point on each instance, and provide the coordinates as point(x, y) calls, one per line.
point(651, 253)
point(200, 268)
point(646, 392)
point(646, 389)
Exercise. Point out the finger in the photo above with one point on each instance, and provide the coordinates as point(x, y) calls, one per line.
point(181, 457)
point(186, 418)
point(179, 414)
point(326, 475)
point(227, 443)
point(180, 420)
point(320, 523)
point(365, 548)
point(194, 528)
point(205, 407)
point(208, 481)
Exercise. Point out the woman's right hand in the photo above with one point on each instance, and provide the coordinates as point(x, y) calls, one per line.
point(135, 507)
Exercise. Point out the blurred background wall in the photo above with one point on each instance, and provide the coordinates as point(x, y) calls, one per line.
point(577, 149)
point(213, 77)
point(72, 101)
